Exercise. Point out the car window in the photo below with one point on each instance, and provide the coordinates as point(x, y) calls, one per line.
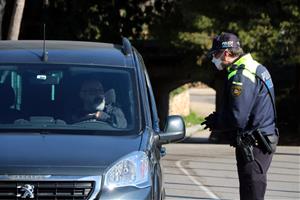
point(68, 97)
point(153, 109)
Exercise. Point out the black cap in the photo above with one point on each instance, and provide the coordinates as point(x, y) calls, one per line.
point(224, 41)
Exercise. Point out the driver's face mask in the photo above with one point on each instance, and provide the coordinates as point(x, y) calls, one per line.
point(99, 103)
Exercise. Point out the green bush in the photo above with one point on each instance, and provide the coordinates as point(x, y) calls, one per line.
point(193, 119)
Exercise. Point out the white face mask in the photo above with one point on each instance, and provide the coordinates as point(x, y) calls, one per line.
point(100, 105)
point(218, 63)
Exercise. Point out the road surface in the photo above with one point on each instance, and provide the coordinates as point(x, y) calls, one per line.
point(208, 171)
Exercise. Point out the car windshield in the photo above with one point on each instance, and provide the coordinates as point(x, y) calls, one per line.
point(68, 97)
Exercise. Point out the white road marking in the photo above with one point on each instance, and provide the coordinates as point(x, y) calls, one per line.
point(199, 184)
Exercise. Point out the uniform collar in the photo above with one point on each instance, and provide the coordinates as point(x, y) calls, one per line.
point(241, 60)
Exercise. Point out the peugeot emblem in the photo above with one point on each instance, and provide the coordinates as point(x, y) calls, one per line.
point(27, 191)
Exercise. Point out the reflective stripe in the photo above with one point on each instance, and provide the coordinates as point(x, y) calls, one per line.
point(249, 75)
point(232, 74)
point(237, 83)
point(250, 64)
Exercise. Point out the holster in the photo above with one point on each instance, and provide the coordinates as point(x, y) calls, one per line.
point(273, 140)
point(245, 143)
point(247, 140)
point(268, 143)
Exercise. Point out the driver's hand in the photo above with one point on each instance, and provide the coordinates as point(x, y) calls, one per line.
point(103, 116)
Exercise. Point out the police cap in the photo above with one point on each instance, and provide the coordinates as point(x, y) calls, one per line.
point(224, 41)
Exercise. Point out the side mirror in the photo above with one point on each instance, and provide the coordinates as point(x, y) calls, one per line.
point(174, 130)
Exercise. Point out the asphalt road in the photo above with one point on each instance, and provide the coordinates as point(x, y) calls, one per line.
point(195, 169)
point(208, 171)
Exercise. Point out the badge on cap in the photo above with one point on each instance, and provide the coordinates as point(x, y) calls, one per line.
point(227, 44)
point(236, 90)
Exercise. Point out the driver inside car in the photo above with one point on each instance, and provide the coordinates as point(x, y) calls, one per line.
point(98, 106)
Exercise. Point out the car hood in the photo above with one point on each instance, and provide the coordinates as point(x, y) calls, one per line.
point(62, 154)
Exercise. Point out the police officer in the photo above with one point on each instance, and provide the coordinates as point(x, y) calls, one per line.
point(248, 113)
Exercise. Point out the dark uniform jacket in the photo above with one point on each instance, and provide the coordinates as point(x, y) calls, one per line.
point(248, 104)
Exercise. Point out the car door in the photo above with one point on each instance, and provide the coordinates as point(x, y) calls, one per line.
point(157, 150)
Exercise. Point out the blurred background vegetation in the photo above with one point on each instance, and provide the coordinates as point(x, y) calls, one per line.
point(174, 36)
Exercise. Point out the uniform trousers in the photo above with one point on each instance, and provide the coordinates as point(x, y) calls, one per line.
point(253, 175)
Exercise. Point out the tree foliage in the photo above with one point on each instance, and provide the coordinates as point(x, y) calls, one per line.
point(268, 29)
point(94, 20)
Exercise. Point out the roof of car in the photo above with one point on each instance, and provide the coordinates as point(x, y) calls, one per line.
point(76, 52)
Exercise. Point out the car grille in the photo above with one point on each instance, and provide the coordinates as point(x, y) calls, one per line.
point(46, 190)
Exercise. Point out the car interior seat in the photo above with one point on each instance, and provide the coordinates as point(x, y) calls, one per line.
point(110, 96)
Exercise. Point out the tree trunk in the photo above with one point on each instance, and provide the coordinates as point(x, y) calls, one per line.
point(15, 23)
point(2, 9)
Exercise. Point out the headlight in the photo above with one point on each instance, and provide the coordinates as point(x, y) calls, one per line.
point(131, 170)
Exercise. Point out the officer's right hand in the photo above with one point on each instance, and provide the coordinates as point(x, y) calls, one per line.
point(210, 121)
point(205, 124)
point(208, 125)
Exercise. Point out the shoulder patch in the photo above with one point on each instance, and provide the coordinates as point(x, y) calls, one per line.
point(236, 90)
